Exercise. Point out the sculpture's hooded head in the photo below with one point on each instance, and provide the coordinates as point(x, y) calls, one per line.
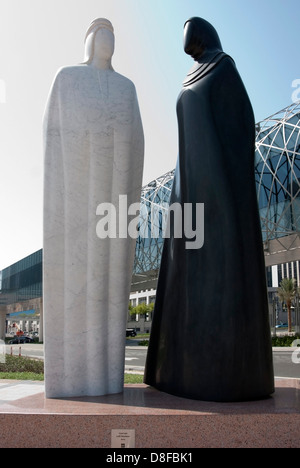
point(201, 40)
point(107, 39)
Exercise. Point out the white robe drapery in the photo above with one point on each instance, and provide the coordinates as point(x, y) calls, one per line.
point(94, 152)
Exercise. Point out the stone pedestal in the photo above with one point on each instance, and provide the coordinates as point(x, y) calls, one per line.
point(159, 420)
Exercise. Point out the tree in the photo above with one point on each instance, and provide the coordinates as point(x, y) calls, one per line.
point(130, 308)
point(142, 309)
point(286, 293)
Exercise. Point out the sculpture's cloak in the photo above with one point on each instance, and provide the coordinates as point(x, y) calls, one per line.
point(94, 152)
point(210, 337)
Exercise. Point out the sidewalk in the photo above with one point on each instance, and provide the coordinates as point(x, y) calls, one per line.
point(12, 390)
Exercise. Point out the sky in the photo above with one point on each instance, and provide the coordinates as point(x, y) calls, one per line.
point(38, 37)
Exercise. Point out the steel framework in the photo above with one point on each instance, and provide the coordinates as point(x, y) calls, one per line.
point(277, 173)
point(155, 199)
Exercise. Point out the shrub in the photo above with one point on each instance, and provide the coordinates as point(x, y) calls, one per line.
point(284, 341)
point(144, 343)
point(21, 364)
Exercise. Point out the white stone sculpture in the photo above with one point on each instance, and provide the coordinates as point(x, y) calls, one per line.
point(94, 152)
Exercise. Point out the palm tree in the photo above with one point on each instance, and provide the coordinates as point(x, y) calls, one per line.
point(286, 293)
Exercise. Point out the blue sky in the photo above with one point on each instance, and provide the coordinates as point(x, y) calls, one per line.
point(38, 37)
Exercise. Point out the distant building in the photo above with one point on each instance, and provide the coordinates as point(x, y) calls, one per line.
point(21, 295)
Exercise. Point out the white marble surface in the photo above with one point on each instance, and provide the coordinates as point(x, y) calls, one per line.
point(94, 151)
point(11, 391)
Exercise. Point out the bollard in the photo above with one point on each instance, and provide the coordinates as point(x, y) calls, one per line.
point(11, 350)
point(20, 351)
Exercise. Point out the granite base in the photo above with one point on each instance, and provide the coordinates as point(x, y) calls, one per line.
point(28, 420)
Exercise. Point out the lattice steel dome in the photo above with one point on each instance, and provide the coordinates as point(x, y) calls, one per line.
point(277, 173)
point(154, 210)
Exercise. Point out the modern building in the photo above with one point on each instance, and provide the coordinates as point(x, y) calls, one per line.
point(21, 295)
point(277, 172)
point(277, 175)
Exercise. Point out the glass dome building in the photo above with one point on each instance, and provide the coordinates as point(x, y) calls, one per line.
point(277, 176)
point(277, 173)
point(155, 199)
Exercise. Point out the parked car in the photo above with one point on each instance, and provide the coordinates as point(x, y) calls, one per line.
point(282, 325)
point(130, 332)
point(21, 340)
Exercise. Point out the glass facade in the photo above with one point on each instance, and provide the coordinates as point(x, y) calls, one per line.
point(277, 173)
point(23, 280)
point(154, 211)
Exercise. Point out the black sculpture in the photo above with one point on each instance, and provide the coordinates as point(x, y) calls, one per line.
point(210, 337)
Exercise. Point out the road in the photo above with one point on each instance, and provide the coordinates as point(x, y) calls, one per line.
point(31, 350)
point(135, 358)
point(283, 363)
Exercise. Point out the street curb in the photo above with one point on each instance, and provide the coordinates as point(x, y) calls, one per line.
point(285, 349)
point(137, 347)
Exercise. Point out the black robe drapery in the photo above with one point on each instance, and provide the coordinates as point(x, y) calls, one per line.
point(210, 336)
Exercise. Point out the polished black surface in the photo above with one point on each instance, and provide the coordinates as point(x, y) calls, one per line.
point(210, 337)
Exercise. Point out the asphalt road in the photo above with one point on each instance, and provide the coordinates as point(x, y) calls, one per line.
point(283, 363)
point(31, 350)
point(135, 358)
